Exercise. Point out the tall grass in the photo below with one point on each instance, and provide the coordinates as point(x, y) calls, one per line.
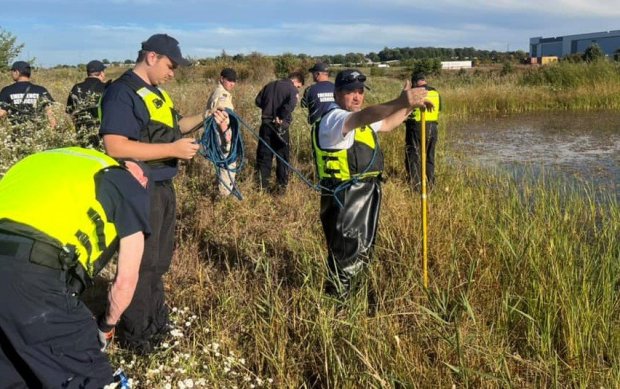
point(524, 276)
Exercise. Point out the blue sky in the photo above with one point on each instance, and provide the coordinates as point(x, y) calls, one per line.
point(71, 32)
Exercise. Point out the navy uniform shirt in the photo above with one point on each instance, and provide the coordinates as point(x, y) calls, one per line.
point(124, 201)
point(124, 113)
point(318, 98)
point(23, 99)
point(277, 99)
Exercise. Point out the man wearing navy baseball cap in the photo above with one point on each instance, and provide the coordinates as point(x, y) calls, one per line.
point(83, 104)
point(348, 157)
point(164, 44)
point(139, 121)
point(23, 101)
point(320, 96)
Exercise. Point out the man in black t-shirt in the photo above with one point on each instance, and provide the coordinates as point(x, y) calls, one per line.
point(82, 104)
point(24, 101)
point(319, 97)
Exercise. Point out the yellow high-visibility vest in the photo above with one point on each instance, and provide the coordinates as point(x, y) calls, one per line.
point(53, 192)
point(345, 164)
point(431, 116)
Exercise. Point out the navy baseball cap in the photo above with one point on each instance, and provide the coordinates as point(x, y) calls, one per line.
point(95, 66)
point(166, 45)
point(350, 79)
point(417, 77)
point(319, 67)
point(229, 74)
point(21, 66)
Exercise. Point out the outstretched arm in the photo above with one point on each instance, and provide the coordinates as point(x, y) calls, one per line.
point(393, 110)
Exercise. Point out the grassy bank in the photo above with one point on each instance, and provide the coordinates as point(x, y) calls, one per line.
point(525, 276)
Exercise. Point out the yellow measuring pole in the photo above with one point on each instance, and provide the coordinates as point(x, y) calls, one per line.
point(424, 221)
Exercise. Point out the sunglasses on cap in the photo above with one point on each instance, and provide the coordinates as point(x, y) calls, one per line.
point(355, 76)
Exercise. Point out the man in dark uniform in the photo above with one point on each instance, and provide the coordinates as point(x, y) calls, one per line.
point(63, 213)
point(318, 97)
point(277, 100)
point(349, 164)
point(413, 131)
point(138, 120)
point(24, 101)
point(83, 103)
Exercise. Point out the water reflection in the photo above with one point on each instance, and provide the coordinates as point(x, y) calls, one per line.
point(576, 147)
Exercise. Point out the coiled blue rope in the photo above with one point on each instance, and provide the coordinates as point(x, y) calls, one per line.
point(211, 149)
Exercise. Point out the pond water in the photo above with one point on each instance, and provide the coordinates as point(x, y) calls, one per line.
point(576, 147)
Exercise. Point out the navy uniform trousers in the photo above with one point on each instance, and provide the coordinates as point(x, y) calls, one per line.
point(48, 337)
point(147, 317)
point(413, 154)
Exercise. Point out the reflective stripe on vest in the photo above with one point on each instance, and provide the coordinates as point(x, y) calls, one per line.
point(345, 164)
point(161, 110)
point(61, 204)
point(431, 116)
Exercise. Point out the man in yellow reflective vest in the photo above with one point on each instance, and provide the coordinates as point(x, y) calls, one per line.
point(349, 164)
point(138, 120)
point(413, 128)
point(63, 214)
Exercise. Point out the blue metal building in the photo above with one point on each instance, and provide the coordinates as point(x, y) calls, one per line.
point(562, 46)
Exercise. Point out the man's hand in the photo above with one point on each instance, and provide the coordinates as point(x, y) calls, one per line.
point(429, 105)
point(221, 118)
point(414, 97)
point(105, 332)
point(185, 148)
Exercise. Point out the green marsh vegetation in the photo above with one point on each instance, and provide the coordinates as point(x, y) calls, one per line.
point(524, 274)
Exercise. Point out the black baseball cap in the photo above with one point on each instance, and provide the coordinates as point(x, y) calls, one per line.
point(166, 45)
point(21, 66)
point(350, 79)
point(95, 66)
point(417, 77)
point(319, 67)
point(229, 74)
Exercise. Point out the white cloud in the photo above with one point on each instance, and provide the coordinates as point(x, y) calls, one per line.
point(563, 8)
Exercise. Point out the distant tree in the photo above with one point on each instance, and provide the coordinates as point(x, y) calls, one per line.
point(223, 55)
point(325, 59)
point(427, 66)
point(338, 58)
point(9, 49)
point(352, 59)
point(520, 56)
point(593, 53)
point(105, 61)
point(286, 63)
point(374, 57)
point(128, 62)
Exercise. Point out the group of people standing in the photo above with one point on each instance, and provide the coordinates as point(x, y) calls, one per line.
point(124, 200)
